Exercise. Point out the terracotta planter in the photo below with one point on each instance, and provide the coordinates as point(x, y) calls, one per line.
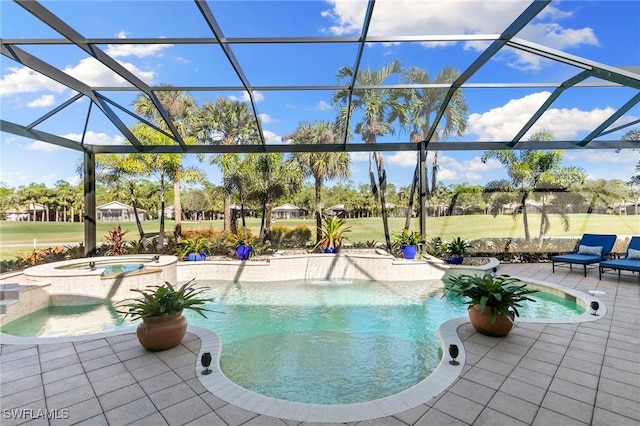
point(482, 322)
point(160, 333)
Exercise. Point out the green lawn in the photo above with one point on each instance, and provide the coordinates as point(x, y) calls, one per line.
point(19, 236)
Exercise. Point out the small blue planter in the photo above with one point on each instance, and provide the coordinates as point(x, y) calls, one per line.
point(331, 250)
point(196, 257)
point(243, 252)
point(455, 259)
point(409, 251)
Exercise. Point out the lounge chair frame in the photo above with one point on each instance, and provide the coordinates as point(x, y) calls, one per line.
point(606, 241)
point(625, 264)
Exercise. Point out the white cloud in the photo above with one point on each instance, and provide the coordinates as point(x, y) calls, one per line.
point(272, 138)
point(401, 159)
point(411, 17)
point(42, 101)
point(138, 50)
point(43, 147)
point(503, 123)
point(359, 156)
point(257, 96)
point(93, 138)
point(93, 73)
point(265, 118)
point(323, 106)
point(24, 80)
point(600, 156)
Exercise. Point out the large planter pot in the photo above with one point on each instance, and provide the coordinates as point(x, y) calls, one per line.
point(409, 251)
point(482, 322)
point(243, 252)
point(160, 333)
point(454, 259)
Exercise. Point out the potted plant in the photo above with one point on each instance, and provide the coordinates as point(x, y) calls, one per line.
point(333, 230)
point(408, 243)
point(455, 250)
point(493, 300)
point(242, 243)
point(160, 308)
point(194, 249)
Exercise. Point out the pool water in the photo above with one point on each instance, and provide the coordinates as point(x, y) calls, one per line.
point(313, 342)
point(109, 268)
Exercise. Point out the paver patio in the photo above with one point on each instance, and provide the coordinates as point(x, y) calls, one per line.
point(541, 374)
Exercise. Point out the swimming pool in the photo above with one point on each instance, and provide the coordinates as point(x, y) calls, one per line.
point(321, 342)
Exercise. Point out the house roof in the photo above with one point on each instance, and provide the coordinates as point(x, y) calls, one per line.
point(287, 207)
point(116, 205)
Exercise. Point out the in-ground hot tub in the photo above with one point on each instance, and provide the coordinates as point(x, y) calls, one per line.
point(92, 280)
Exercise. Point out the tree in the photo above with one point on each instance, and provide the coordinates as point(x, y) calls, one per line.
point(423, 104)
point(123, 171)
point(525, 168)
point(322, 166)
point(227, 122)
point(165, 167)
point(380, 109)
point(181, 108)
point(273, 178)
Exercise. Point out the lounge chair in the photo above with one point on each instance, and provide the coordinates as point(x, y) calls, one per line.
point(631, 262)
point(592, 249)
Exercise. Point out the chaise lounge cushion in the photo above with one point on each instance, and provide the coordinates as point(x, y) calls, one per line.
point(633, 254)
point(590, 250)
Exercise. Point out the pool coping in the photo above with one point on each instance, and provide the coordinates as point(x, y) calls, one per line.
point(438, 381)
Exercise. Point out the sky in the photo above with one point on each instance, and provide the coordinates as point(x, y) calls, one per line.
point(607, 32)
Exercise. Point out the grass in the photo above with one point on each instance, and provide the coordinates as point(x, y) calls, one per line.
point(18, 237)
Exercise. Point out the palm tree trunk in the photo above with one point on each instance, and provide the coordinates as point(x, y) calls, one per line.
point(412, 193)
point(268, 208)
point(318, 210)
point(525, 219)
point(382, 182)
point(227, 212)
point(434, 173)
point(134, 203)
point(177, 211)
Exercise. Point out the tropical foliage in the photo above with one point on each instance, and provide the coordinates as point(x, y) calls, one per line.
point(502, 294)
point(164, 300)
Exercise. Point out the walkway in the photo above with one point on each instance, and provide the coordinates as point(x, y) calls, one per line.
point(541, 374)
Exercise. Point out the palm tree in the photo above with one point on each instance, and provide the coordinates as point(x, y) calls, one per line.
point(166, 168)
point(227, 122)
point(422, 104)
point(123, 171)
point(525, 169)
point(321, 166)
point(180, 107)
point(380, 109)
point(273, 178)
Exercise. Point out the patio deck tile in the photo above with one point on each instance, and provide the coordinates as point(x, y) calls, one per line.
point(185, 411)
point(540, 374)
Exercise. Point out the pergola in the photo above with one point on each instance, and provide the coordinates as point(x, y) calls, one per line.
point(229, 45)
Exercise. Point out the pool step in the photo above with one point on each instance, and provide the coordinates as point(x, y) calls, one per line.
point(17, 300)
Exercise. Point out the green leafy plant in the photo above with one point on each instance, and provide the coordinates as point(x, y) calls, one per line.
point(164, 300)
point(333, 230)
point(242, 238)
point(456, 247)
point(502, 294)
point(194, 245)
point(407, 238)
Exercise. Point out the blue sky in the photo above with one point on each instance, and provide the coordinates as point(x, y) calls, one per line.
point(602, 31)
